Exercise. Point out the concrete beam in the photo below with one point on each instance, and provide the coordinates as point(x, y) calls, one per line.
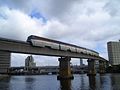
point(26, 48)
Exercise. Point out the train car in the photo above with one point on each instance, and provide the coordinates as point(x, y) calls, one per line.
point(88, 52)
point(64, 47)
point(79, 50)
point(53, 44)
point(38, 43)
point(42, 42)
point(96, 54)
point(73, 49)
point(84, 51)
point(93, 53)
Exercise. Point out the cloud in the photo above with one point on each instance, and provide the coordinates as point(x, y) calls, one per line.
point(87, 23)
point(15, 24)
point(50, 8)
point(112, 7)
point(18, 59)
point(61, 7)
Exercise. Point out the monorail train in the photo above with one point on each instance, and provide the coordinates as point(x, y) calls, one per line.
point(53, 44)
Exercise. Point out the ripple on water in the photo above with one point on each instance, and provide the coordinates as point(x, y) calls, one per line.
point(50, 82)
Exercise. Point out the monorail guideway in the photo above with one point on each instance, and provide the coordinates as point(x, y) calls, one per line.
point(43, 46)
point(57, 45)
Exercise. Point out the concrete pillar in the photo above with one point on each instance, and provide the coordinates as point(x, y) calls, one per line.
point(65, 84)
point(92, 82)
point(101, 67)
point(64, 68)
point(106, 64)
point(91, 67)
point(4, 62)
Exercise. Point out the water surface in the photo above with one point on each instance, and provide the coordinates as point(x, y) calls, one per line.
point(50, 82)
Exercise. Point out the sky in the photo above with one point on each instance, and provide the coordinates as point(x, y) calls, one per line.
point(86, 23)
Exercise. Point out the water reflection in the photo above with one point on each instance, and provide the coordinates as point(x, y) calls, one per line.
point(49, 82)
point(4, 84)
point(29, 83)
point(65, 84)
point(84, 84)
point(105, 82)
point(115, 81)
point(92, 82)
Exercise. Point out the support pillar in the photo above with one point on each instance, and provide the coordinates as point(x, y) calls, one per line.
point(92, 82)
point(64, 68)
point(106, 64)
point(101, 67)
point(4, 62)
point(65, 84)
point(91, 67)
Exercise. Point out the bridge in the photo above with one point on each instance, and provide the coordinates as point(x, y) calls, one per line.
point(8, 46)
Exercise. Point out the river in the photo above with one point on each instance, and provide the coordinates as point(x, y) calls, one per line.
point(50, 82)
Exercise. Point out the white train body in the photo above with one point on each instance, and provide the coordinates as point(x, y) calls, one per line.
point(43, 42)
point(64, 47)
point(38, 43)
point(79, 50)
point(73, 49)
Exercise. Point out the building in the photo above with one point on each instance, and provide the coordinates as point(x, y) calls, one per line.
point(114, 52)
point(81, 62)
point(29, 62)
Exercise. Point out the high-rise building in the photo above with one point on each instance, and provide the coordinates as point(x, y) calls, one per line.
point(81, 62)
point(114, 52)
point(29, 62)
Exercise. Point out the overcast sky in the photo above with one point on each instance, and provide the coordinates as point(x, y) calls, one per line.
point(86, 23)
